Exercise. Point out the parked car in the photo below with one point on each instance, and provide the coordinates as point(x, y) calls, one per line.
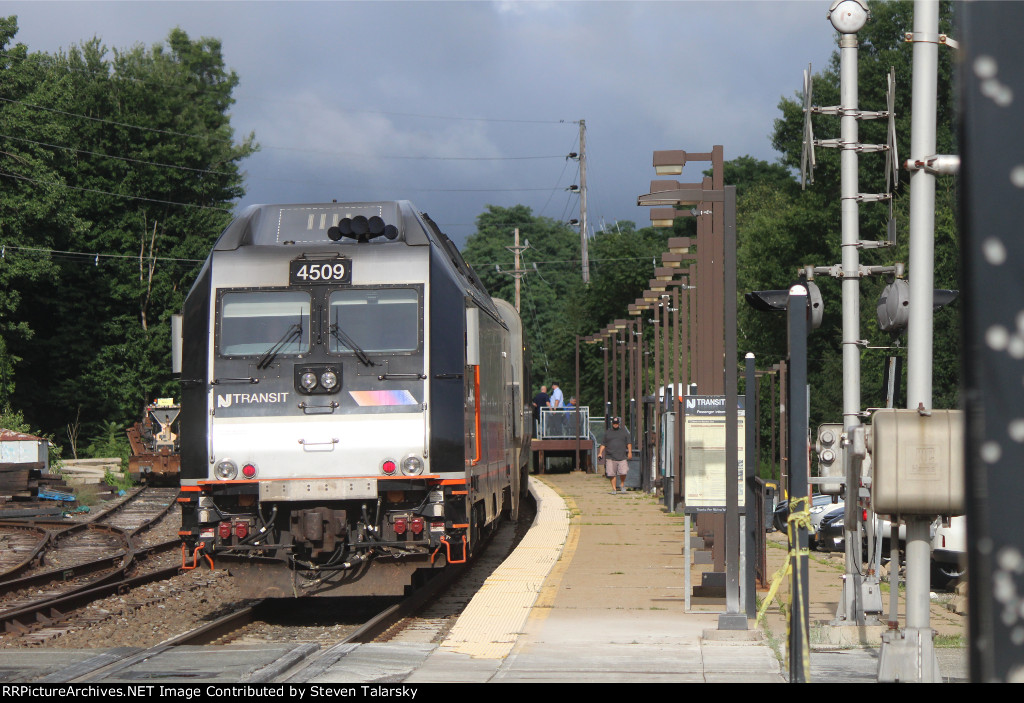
point(818, 513)
point(781, 515)
point(949, 551)
point(830, 537)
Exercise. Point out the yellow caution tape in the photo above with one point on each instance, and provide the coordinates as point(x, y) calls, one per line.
point(798, 517)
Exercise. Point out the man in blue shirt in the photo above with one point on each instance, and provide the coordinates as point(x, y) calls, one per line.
point(558, 405)
point(557, 400)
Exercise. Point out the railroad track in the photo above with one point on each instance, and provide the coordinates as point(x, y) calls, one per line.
point(32, 543)
point(84, 561)
point(19, 546)
point(285, 642)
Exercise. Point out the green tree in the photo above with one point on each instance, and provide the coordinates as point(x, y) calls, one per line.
point(552, 262)
point(142, 167)
point(781, 228)
point(31, 203)
point(556, 306)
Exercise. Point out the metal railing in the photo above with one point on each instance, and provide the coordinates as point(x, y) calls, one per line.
point(564, 423)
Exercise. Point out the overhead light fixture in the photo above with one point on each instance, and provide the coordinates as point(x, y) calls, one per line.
point(669, 162)
point(663, 216)
point(679, 245)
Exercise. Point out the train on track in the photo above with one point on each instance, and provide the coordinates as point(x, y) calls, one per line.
point(352, 401)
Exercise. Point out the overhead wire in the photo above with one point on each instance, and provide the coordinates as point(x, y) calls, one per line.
point(210, 138)
point(568, 199)
point(5, 174)
point(539, 335)
point(560, 176)
point(118, 158)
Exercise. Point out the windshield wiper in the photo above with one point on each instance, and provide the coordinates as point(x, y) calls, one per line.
point(340, 335)
point(292, 334)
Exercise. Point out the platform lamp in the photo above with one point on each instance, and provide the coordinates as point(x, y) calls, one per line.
point(637, 309)
point(621, 326)
point(691, 199)
point(612, 398)
point(588, 339)
point(602, 339)
point(675, 357)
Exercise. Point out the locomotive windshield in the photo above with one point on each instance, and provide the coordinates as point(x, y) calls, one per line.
point(258, 322)
point(377, 320)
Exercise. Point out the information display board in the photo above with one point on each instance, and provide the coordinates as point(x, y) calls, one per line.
point(705, 453)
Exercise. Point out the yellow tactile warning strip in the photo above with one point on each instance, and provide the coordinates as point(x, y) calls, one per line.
point(492, 621)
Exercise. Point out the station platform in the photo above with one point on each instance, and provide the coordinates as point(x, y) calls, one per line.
point(595, 593)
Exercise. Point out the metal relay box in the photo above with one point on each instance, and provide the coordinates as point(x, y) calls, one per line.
point(918, 462)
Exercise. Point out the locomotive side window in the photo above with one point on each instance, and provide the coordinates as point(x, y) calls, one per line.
point(378, 320)
point(255, 322)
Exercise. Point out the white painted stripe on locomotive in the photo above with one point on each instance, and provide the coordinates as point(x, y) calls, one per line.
point(258, 267)
point(311, 446)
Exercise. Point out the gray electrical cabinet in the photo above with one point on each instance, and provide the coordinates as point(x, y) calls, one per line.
point(918, 462)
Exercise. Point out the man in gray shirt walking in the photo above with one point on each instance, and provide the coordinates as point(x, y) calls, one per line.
point(620, 448)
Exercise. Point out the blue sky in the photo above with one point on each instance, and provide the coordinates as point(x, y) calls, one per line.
point(457, 105)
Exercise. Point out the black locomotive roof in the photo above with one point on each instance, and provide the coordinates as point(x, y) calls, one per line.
point(310, 224)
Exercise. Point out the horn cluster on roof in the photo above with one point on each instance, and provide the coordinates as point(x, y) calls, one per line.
point(362, 229)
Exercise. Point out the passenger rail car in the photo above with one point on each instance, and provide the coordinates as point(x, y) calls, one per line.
point(352, 401)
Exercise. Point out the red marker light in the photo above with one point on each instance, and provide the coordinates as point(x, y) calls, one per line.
point(389, 467)
point(248, 470)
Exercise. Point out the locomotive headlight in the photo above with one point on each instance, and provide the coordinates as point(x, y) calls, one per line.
point(412, 465)
point(328, 379)
point(308, 380)
point(226, 470)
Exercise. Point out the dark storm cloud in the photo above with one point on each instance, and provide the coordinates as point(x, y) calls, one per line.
point(360, 100)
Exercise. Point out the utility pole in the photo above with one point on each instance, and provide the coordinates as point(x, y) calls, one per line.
point(583, 201)
point(518, 272)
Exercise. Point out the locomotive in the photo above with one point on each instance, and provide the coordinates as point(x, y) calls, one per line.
point(352, 402)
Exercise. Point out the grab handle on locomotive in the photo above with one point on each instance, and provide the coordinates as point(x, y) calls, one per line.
point(448, 551)
point(195, 557)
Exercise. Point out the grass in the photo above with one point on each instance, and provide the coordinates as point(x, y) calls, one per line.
point(774, 644)
point(87, 494)
point(949, 641)
point(120, 479)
